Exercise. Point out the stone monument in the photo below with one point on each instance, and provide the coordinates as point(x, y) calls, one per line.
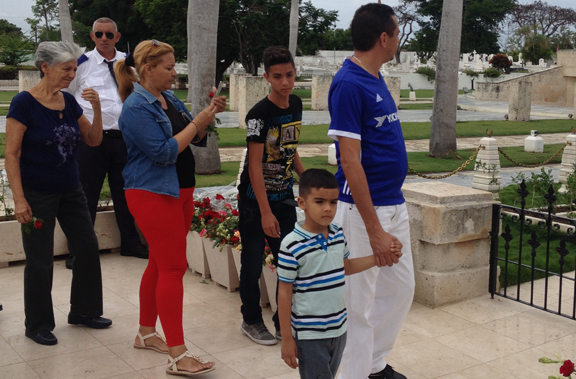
point(27, 79)
point(520, 101)
point(252, 89)
point(320, 88)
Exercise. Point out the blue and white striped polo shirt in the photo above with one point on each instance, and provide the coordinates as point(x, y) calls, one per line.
point(315, 267)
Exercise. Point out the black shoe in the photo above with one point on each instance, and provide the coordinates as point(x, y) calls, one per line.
point(136, 251)
point(44, 337)
point(90, 322)
point(70, 261)
point(387, 373)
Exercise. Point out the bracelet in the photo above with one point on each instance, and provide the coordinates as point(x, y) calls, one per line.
point(196, 125)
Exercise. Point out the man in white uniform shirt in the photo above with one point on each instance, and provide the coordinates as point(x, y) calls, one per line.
point(96, 70)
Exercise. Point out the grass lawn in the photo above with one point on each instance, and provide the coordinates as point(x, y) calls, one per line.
point(412, 107)
point(4, 111)
point(2, 144)
point(6, 96)
point(421, 93)
point(540, 259)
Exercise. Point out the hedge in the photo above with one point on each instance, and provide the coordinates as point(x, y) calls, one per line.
point(11, 72)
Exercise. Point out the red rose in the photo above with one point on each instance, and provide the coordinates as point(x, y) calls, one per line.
point(206, 200)
point(567, 368)
point(197, 204)
point(234, 239)
point(223, 241)
point(211, 94)
point(235, 212)
point(38, 225)
point(219, 197)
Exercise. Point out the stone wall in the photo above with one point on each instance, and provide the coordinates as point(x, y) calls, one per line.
point(449, 227)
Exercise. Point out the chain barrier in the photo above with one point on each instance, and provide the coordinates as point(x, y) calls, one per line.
point(538, 164)
point(435, 177)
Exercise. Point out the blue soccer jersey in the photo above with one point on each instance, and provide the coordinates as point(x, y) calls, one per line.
point(362, 108)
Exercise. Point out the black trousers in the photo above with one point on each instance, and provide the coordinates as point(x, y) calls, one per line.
point(71, 210)
point(94, 163)
point(253, 242)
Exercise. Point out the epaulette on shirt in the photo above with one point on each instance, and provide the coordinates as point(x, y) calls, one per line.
point(82, 59)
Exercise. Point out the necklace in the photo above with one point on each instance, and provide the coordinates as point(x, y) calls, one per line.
point(359, 61)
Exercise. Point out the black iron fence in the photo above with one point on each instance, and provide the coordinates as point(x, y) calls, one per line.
point(536, 263)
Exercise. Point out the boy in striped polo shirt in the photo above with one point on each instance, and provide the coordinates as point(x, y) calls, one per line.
point(312, 263)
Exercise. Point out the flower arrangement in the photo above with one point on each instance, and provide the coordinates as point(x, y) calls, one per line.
point(567, 368)
point(217, 220)
point(268, 258)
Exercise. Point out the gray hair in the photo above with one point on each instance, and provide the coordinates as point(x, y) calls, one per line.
point(53, 53)
point(104, 20)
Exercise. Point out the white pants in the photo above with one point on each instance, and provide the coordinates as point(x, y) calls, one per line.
point(378, 299)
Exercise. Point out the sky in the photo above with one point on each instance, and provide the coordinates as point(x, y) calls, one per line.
point(18, 10)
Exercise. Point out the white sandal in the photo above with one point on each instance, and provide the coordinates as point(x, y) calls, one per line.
point(143, 344)
point(172, 368)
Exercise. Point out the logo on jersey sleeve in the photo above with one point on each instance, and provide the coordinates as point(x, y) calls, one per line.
point(378, 98)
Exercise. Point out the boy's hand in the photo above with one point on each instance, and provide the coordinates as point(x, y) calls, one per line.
point(396, 248)
point(290, 352)
point(270, 225)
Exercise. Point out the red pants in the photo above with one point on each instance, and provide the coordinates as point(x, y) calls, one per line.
point(165, 222)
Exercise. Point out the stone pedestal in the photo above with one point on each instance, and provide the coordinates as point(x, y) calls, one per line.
point(520, 101)
point(252, 89)
point(568, 162)
point(233, 94)
point(574, 113)
point(412, 96)
point(332, 155)
point(449, 227)
point(488, 167)
point(27, 79)
point(393, 84)
point(320, 87)
point(534, 144)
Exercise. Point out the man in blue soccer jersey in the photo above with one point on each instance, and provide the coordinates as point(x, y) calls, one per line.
point(372, 166)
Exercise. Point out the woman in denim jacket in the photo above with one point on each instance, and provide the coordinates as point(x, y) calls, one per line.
point(159, 183)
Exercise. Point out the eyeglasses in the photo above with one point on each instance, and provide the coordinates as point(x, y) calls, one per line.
point(154, 43)
point(109, 35)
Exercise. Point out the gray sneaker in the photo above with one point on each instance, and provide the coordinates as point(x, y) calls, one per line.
point(278, 335)
point(258, 333)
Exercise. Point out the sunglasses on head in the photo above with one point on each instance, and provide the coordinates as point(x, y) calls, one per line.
point(154, 43)
point(109, 35)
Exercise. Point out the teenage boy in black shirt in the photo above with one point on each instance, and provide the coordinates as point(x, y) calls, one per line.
point(267, 205)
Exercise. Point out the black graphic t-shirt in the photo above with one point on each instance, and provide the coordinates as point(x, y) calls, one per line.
point(279, 130)
point(50, 143)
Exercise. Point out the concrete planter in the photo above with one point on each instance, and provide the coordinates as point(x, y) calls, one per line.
point(11, 249)
point(195, 254)
point(221, 264)
point(271, 280)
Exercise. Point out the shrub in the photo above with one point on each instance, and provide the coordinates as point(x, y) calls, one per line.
point(471, 73)
point(500, 62)
point(492, 73)
point(11, 72)
point(428, 72)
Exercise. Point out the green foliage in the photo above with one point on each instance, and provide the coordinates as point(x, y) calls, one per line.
point(46, 13)
point(9, 28)
point(14, 49)
point(480, 22)
point(564, 39)
point(492, 73)
point(428, 72)
point(316, 30)
point(472, 73)
point(537, 46)
point(11, 72)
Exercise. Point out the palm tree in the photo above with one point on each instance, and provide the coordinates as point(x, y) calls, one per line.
point(443, 131)
point(202, 25)
point(65, 21)
point(294, 17)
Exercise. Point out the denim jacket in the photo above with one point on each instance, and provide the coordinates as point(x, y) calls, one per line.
point(152, 151)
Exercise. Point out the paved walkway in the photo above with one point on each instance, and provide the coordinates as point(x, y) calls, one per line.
point(476, 339)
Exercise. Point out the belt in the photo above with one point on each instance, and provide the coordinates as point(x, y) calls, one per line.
point(113, 133)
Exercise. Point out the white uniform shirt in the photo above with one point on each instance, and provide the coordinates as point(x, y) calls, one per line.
point(94, 73)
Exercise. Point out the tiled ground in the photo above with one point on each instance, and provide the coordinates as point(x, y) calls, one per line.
point(480, 338)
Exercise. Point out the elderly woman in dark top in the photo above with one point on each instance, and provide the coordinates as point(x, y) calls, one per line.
point(43, 128)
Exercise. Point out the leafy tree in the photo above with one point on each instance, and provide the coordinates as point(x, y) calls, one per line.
point(542, 18)
point(129, 20)
point(316, 29)
point(564, 39)
point(537, 46)
point(479, 25)
point(9, 28)
point(407, 19)
point(14, 49)
point(46, 11)
point(501, 62)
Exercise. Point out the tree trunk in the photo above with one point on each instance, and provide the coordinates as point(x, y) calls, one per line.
point(202, 25)
point(294, 17)
point(65, 21)
point(443, 131)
